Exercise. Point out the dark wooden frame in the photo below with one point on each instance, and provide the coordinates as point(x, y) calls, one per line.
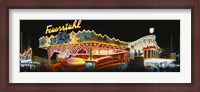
point(104, 4)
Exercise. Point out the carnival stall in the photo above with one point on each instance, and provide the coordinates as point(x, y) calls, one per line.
point(85, 46)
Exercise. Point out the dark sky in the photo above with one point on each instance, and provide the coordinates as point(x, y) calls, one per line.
point(125, 30)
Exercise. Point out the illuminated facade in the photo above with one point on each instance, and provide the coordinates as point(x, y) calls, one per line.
point(26, 60)
point(146, 47)
point(26, 56)
point(87, 45)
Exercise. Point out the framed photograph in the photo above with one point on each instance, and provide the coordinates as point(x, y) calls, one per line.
point(100, 45)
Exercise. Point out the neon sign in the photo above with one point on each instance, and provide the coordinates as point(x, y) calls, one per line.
point(75, 25)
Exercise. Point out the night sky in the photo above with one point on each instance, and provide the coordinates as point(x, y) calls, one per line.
point(125, 30)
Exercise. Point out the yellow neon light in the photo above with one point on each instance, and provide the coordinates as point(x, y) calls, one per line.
point(75, 25)
point(86, 42)
point(102, 36)
point(75, 39)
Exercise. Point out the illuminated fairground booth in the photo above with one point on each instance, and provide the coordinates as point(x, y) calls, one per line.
point(85, 46)
point(146, 47)
point(26, 56)
point(26, 61)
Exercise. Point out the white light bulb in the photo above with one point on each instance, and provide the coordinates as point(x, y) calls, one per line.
point(151, 30)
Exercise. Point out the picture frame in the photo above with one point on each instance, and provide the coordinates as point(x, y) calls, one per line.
point(88, 4)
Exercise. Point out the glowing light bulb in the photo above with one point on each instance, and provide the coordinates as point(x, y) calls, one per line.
point(151, 30)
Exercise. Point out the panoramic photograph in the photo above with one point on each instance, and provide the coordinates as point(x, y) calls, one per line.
point(99, 46)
